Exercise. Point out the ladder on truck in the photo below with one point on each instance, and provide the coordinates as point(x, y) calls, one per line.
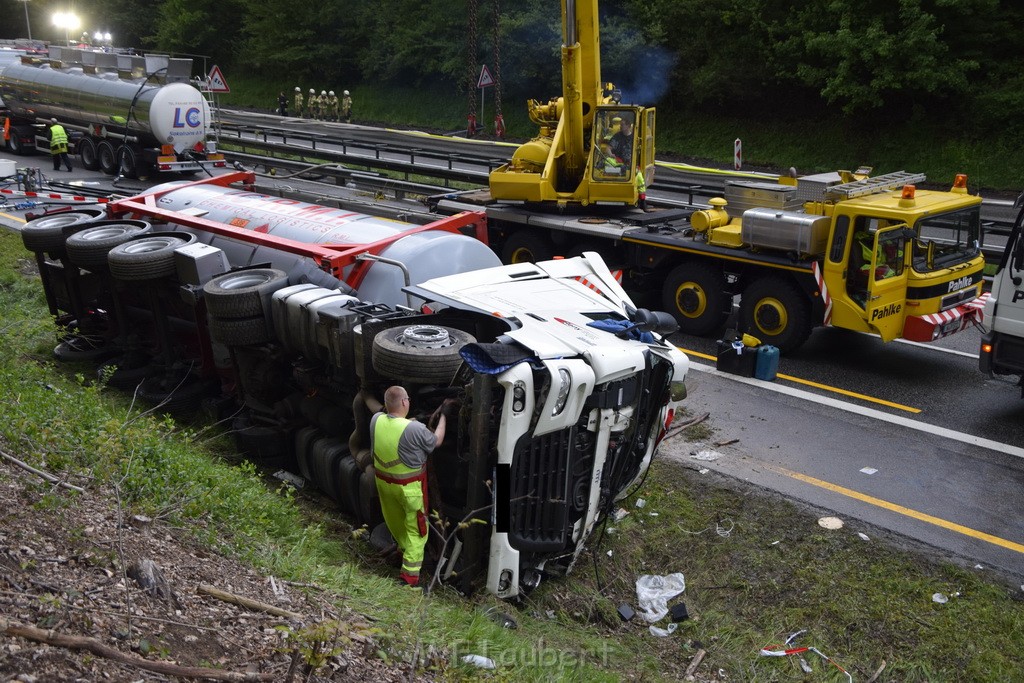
point(882, 183)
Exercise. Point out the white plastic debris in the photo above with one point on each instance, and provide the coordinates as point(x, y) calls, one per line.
point(863, 537)
point(289, 478)
point(939, 598)
point(663, 632)
point(479, 661)
point(868, 470)
point(653, 593)
point(832, 523)
point(620, 514)
point(708, 456)
point(640, 502)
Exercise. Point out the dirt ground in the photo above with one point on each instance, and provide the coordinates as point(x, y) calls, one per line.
point(64, 569)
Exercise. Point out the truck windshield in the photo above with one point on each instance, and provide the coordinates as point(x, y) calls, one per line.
point(947, 239)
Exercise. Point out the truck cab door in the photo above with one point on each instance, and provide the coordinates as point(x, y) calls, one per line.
point(886, 302)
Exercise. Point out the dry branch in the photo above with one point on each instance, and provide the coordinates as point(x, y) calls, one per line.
point(15, 629)
point(246, 602)
point(39, 473)
point(695, 662)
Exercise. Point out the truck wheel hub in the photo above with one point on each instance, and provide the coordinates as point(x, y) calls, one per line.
point(770, 316)
point(425, 337)
point(691, 300)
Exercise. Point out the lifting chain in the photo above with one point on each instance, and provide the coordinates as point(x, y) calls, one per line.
point(471, 58)
point(499, 121)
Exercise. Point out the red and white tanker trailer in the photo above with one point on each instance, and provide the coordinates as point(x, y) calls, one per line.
point(125, 114)
point(290, 320)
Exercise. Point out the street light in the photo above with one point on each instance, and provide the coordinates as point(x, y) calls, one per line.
point(68, 21)
point(28, 26)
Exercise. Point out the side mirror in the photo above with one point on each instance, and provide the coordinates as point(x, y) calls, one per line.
point(655, 321)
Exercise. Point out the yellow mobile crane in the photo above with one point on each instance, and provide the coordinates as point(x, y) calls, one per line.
point(840, 249)
point(590, 144)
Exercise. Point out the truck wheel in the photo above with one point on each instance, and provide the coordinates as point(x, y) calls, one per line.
point(304, 440)
point(776, 312)
point(47, 233)
point(89, 248)
point(16, 145)
point(241, 332)
point(127, 162)
point(146, 258)
point(88, 154)
point(526, 247)
point(107, 157)
point(348, 474)
point(172, 395)
point(268, 446)
point(327, 453)
point(243, 294)
point(694, 292)
point(124, 372)
point(427, 354)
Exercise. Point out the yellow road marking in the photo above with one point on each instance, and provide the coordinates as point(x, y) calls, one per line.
point(823, 387)
point(899, 509)
point(13, 218)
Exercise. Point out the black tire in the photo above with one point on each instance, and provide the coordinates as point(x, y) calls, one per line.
point(261, 444)
point(524, 246)
point(369, 501)
point(242, 294)
point(88, 248)
point(171, 394)
point(88, 154)
point(48, 233)
point(16, 145)
point(124, 372)
point(83, 349)
point(149, 257)
point(396, 356)
point(244, 332)
point(304, 440)
point(348, 474)
point(694, 293)
point(107, 157)
point(776, 312)
point(127, 162)
point(328, 454)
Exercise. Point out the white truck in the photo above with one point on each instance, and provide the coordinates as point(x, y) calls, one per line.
point(1002, 344)
point(294, 318)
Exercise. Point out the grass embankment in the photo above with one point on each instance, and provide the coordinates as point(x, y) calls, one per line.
point(772, 142)
point(757, 568)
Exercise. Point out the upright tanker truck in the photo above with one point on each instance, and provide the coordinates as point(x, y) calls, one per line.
point(126, 114)
point(290, 320)
point(873, 254)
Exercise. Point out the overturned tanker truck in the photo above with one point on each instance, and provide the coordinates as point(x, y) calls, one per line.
point(126, 114)
point(296, 317)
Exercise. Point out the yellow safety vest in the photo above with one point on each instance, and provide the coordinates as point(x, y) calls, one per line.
point(387, 431)
point(641, 184)
point(58, 138)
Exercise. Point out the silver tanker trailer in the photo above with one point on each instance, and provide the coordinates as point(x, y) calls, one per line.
point(125, 114)
point(289, 320)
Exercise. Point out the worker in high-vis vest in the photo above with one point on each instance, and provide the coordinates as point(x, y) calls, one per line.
point(59, 146)
point(641, 189)
point(400, 449)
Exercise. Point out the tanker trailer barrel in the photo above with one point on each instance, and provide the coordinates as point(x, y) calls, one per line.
point(174, 114)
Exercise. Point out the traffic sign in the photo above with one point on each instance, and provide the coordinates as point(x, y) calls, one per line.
point(215, 81)
point(485, 77)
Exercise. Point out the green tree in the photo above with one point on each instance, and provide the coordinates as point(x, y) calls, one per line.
point(199, 27)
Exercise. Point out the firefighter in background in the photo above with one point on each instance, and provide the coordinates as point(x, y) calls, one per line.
point(298, 102)
point(59, 146)
point(282, 104)
point(312, 106)
point(400, 448)
point(322, 105)
point(333, 107)
point(346, 107)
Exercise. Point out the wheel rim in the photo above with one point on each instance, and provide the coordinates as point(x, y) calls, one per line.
point(522, 255)
point(149, 245)
point(242, 281)
point(770, 316)
point(691, 300)
point(426, 337)
point(104, 233)
point(56, 221)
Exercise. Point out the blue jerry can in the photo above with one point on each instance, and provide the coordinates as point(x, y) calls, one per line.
point(767, 365)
